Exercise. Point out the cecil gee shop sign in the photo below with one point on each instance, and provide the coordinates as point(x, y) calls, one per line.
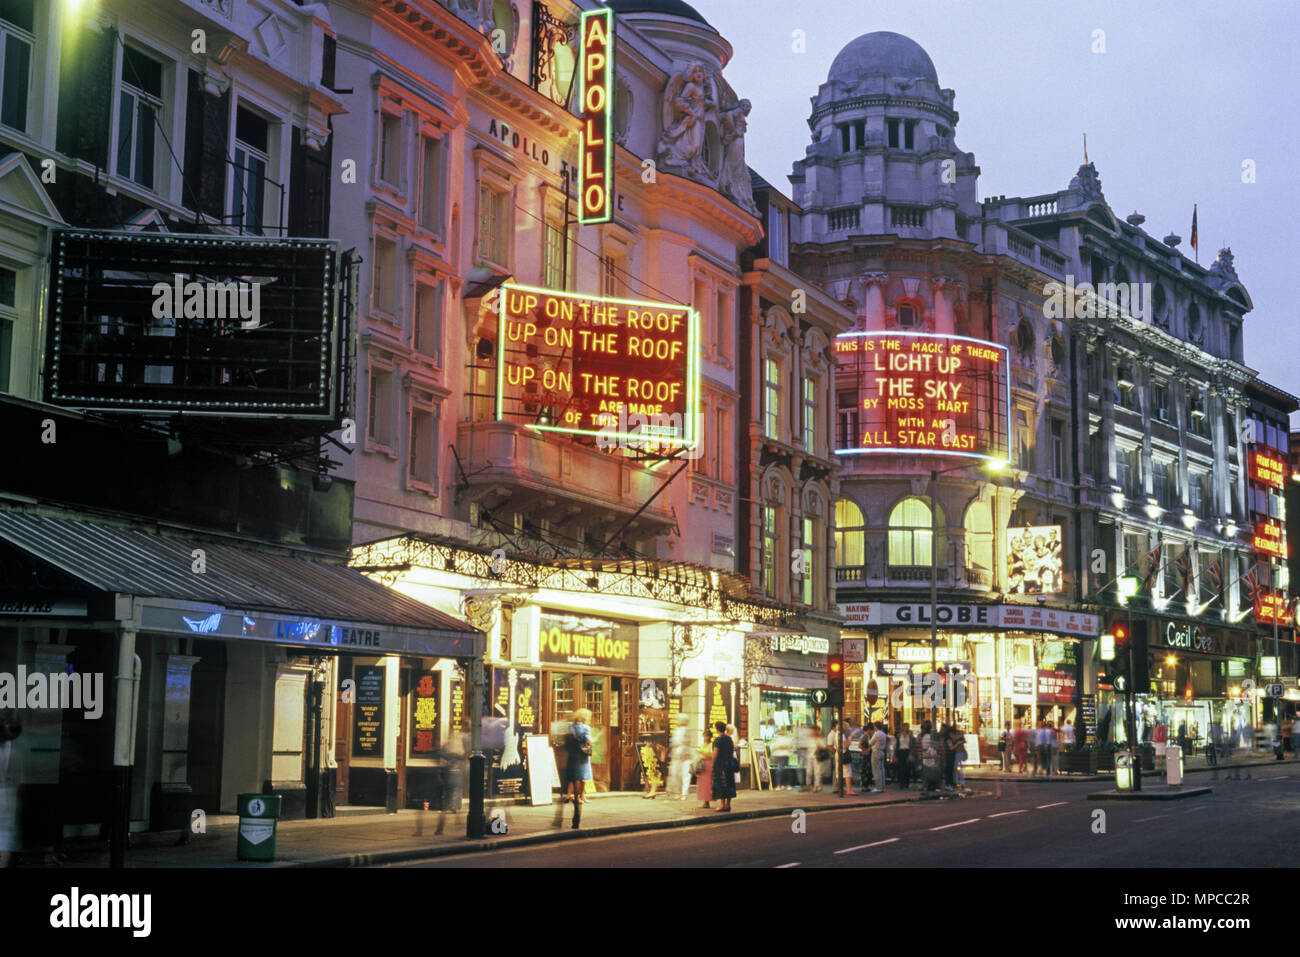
point(588, 642)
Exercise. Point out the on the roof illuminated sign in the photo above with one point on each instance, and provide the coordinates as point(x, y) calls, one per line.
point(591, 365)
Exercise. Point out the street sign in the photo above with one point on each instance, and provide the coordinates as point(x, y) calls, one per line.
point(819, 696)
point(1275, 690)
point(873, 692)
point(855, 649)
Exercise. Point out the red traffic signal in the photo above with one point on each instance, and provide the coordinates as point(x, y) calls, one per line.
point(1120, 634)
point(835, 681)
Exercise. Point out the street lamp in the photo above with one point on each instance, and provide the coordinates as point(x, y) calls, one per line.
point(994, 466)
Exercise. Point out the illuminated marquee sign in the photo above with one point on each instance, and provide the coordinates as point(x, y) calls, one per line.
point(1270, 606)
point(1268, 539)
point(1268, 469)
point(922, 393)
point(167, 324)
point(588, 365)
point(590, 642)
point(596, 149)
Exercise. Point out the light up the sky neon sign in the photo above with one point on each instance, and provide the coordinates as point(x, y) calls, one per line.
point(921, 393)
point(596, 147)
point(591, 365)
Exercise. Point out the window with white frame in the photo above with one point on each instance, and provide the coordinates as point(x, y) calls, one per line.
point(723, 319)
point(9, 318)
point(722, 437)
point(380, 411)
point(809, 560)
point(771, 550)
point(613, 266)
point(390, 149)
point(422, 456)
point(17, 39)
point(432, 184)
point(554, 265)
point(810, 416)
point(700, 300)
point(385, 277)
point(494, 224)
point(428, 321)
point(771, 398)
point(700, 463)
point(139, 112)
point(1024, 441)
point(252, 157)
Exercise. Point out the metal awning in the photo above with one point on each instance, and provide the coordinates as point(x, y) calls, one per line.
point(243, 592)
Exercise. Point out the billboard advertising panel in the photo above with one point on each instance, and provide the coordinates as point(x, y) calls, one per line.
point(591, 365)
point(1034, 560)
point(165, 323)
point(917, 392)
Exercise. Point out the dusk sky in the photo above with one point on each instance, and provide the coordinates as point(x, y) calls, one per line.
point(1184, 93)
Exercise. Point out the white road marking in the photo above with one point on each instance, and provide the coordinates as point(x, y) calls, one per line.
point(942, 827)
point(782, 866)
point(861, 847)
point(1193, 810)
point(1005, 813)
point(1057, 804)
point(1152, 818)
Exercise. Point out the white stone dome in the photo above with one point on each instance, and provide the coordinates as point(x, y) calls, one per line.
point(882, 52)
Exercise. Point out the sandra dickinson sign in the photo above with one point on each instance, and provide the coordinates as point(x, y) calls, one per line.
point(583, 364)
point(917, 392)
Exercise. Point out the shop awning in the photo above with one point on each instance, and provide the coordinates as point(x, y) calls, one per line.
point(244, 591)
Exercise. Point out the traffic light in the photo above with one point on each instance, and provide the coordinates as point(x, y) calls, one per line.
point(1114, 652)
point(835, 681)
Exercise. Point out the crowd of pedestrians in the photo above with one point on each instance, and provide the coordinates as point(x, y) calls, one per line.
point(1040, 745)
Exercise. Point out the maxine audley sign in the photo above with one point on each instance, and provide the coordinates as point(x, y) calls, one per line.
point(972, 616)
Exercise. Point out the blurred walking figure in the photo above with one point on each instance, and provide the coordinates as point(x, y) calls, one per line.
point(654, 779)
point(725, 767)
point(782, 751)
point(1036, 742)
point(1004, 746)
point(704, 771)
point(578, 745)
point(10, 831)
point(930, 771)
point(944, 747)
point(1020, 743)
point(803, 754)
point(811, 766)
point(879, 743)
point(1053, 749)
point(679, 766)
point(1067, 737)
point(854, 769)
point(833, 746)
point(903, 756)
point(958, 758)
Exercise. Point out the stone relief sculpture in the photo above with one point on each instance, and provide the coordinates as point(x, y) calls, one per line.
point(686, 105)
point(699, 113)
point(734, 181)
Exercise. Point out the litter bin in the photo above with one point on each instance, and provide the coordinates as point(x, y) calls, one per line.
point(257, 816)
point(1173, 764)
point(1124, 770)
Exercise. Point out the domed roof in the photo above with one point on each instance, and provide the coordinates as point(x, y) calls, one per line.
point(883, 52)
point(670, 8)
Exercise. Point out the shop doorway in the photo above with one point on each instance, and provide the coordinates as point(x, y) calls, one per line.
point(207, 719)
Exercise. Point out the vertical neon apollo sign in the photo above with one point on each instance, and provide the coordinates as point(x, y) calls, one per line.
point(596, 146)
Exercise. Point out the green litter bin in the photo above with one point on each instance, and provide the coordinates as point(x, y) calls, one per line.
point(257, 817)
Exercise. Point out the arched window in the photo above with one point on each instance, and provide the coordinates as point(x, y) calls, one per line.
point(909, 532)
point(850, 551)
point(979, 544)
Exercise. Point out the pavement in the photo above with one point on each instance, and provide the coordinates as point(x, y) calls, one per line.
point(368, 836)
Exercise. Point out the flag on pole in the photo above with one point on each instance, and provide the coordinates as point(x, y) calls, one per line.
point(1184, 565)
point(1251, 581)
point(1153, 568)
point(1195, 242)
point(1215, 574)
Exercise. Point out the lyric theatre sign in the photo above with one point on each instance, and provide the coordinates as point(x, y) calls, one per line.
point(918, 392)
point(583, 364)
